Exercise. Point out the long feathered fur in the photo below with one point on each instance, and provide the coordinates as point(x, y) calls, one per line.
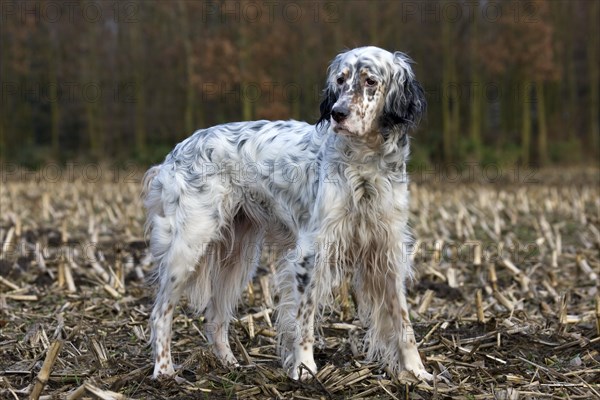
point(333, 196)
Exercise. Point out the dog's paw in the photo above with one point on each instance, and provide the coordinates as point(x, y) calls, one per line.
point(302, 370)
point(162, 372)
point(423, 375)
point(224, 354)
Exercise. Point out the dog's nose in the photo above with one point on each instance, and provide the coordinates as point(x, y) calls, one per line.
point(339, 113)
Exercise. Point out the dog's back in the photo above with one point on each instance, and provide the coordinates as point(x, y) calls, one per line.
point(337, 189)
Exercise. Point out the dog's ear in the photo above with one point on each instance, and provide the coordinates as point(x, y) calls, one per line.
point(405, 102)
point(329, 99)
point(330, 95)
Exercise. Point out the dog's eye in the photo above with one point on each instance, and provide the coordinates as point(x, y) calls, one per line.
point(340, 80)
point(370, 82)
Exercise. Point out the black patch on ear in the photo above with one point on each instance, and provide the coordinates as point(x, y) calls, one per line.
point(329, 99)
point(405, 107)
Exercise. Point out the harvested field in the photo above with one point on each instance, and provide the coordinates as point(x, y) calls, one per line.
point(505, 304)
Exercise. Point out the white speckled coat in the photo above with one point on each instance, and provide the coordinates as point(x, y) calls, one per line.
point(335, 194)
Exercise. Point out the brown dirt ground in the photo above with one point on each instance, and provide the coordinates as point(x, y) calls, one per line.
point(518, 319)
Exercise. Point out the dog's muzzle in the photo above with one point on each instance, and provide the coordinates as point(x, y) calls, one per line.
point(339, 113)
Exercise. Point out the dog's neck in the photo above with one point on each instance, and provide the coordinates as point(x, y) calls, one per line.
point(387, 150)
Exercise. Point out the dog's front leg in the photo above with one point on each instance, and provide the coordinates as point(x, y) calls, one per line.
point(298, 289)
point(305, 315)
point(397, 307)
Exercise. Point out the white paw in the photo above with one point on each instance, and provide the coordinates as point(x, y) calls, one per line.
point(302, 370)
point(161, 371)
point(423, 375)
point(224, 354)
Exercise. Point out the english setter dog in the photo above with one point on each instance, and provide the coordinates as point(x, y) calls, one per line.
point(334, 195)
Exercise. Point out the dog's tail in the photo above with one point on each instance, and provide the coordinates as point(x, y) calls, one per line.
point(148, 178)
point(151, 196)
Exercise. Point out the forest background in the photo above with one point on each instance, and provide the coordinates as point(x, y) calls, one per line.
point(507, 82)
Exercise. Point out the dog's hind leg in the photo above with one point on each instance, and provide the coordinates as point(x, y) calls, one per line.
point(240, 255)
point(182, 227)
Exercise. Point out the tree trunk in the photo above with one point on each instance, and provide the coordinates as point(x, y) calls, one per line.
point(510, 108)
point(593, 43)
point(526, 122)
point(53, 95)
point(571, 86)
point(374, 25)
point(92, 93)
point(455, 105)
point(4, 113)
point(190, 90)
point(295, 106)
point(475, 111)
point(447, 98)
point(542, 126)
point(136, 45)
point(245, 95)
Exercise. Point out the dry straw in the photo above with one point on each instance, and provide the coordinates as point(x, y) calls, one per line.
point(505, 303)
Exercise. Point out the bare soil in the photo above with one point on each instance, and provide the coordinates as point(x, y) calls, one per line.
point(505, 303)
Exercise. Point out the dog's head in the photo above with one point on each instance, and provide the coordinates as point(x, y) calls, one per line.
point(371, 91)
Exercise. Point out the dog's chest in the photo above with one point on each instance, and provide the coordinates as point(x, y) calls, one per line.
point(367, 191)
point(369, 205)
point(365, 218)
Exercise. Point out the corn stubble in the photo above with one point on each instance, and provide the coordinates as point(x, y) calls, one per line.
point(505, 303)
